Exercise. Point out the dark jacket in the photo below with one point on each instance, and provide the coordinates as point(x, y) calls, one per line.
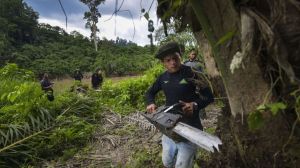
point(97, 80)
point(180, 86)
point(46, 85)
point(78, 75)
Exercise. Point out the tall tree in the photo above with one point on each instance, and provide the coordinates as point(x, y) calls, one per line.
point(92, 18)
point(255, 45)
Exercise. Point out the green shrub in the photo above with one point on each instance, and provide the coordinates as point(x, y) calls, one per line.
point(33, 128)
point(128, 95)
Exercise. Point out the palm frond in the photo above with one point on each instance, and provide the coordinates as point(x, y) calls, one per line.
point(18, 141)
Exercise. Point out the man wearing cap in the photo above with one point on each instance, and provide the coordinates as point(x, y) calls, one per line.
point(178, 86)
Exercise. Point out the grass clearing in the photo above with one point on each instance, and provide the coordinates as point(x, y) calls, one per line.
point(62, 85)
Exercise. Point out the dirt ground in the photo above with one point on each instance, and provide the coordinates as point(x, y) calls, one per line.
point(129, 141)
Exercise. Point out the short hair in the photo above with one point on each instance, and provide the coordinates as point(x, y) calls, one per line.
point(194, 49)
point(166, 49)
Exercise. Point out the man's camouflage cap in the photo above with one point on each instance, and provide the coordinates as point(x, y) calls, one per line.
point(168, 48)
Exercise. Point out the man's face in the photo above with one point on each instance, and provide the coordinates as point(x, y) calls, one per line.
point(172, 62)
point(192, 55)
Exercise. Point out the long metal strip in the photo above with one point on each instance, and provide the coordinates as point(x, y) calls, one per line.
point(198, 137)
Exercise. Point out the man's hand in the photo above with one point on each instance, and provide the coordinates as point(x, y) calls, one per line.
point(187, 108)
point(151, 108)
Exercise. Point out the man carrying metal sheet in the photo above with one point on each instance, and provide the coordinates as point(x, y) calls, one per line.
point(179, 86)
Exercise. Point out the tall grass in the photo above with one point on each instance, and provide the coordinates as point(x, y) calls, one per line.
point(62, 85)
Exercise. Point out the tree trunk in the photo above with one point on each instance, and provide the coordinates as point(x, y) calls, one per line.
point(94, 32)
point(273, 145)
point(210, 64)
point(207, 54)
point(223, 18)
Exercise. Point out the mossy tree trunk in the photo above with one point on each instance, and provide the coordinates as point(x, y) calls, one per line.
point(275, 143)
point(223, 18)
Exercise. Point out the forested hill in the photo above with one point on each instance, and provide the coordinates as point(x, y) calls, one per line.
point(44, 48)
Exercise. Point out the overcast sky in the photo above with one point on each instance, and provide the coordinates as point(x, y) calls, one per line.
point(50, 12)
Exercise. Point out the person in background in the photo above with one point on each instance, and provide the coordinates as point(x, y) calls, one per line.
point(193, 61)
point(195, 64)
point(78, 75)
point(97, 79)
point(47, 87)
point(178, 86)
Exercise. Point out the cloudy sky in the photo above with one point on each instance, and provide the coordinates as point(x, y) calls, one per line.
point(50, 12)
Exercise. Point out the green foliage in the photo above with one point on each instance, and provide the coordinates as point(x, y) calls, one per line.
point(44, 48)
point(219, 103)
point(296, 95)
point(225, 38)
point(20, 95)
point(173, 8)
point(123, 60)
point(78, 131)
point(55, 58)
point(92, 17)
point(17, 26)
point(69, 52)
point(256, 118)
point(128, 95)
point(210, 130)
point(185, 37)
point(32, 127)
point(276, 107)
point(296, 105)
point(18, 21)
point(202, 156)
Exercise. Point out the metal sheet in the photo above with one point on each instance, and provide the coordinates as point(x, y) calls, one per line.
point(198, 137)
